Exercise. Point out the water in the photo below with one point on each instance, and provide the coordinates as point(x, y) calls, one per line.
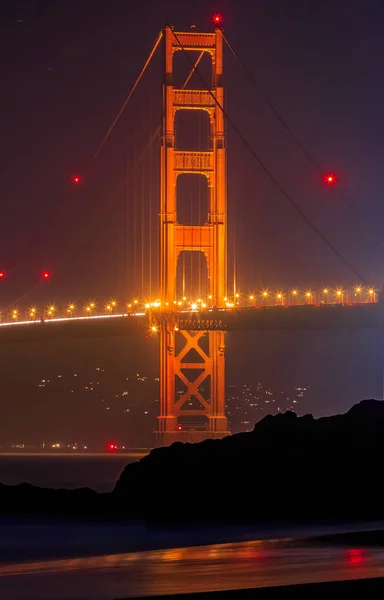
point(97, 471)
point(256, 563)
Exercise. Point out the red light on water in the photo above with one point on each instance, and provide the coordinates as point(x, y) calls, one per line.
point(355, 556)
point(76, 179)
point(217, 19)
point(330, 179)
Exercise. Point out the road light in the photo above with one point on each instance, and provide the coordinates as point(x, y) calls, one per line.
point(265, 294)
point(280, 298)
point(340, 295)
point(32, 312)
point(70, 309)
point(89, 308)
point(15, 314)
point(371, 294)
point(309, 296)
point(51, 310)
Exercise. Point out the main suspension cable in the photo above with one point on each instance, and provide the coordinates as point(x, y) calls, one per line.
point(267, 171)
point(157, 42)
point(296, 139)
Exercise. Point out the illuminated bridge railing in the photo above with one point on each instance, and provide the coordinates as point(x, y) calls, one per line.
point(263, 299)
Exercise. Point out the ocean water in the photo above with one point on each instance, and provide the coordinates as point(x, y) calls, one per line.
point(96, 471)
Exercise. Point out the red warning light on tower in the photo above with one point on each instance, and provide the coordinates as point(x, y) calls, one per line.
point(76, 179)
point(330, 179)
point(217, 19)
point(46, 275)
point(2, 275)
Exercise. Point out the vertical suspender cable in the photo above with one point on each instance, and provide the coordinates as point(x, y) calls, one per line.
point(142, 231)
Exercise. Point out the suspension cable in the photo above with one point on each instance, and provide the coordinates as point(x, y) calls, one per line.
point(270, 176)
point(157, 42)
point(296, 139)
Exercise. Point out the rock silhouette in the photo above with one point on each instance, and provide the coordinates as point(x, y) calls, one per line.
point(287, 468)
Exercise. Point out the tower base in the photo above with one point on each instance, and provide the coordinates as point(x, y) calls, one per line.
point(166, 438)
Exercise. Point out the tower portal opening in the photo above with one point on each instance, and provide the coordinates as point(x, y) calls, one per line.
point(192, 199)
point(193, 71)
point(192, 276)
point(192, 130)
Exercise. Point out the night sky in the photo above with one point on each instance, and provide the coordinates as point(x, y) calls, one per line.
point(66, 69)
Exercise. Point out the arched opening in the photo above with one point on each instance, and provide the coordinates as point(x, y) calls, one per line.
point(192, 197)
point(184, 75)
point(192, 130)
point(192, 277)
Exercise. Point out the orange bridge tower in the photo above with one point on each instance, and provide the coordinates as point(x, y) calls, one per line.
point(194, 359)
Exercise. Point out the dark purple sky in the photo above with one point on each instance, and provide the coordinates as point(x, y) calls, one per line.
point(65, 71)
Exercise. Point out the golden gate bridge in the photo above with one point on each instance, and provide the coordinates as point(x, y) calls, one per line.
point(191, 328)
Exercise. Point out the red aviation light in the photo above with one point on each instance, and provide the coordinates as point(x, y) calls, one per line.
point(217, 19)
point(330, 179)
point(2, 274)
point(112, 447)
point(46, 275)
point(76, 179)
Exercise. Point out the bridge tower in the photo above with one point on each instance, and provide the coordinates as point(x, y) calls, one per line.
point(194, 358)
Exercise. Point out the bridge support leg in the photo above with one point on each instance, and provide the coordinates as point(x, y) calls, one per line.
point(192, 387)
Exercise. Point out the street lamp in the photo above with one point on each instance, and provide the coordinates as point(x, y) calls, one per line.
point(51, 310)
point(32, 312)
point(280, 298)
point(70, 309)
point(340, 296)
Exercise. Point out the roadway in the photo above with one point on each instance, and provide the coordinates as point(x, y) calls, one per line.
point(306, 317)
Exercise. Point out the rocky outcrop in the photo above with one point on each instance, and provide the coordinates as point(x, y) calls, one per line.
point(288, 467)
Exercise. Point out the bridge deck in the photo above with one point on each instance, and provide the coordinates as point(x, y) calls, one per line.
point(295, 318)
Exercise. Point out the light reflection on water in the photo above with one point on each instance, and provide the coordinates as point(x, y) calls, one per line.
point(189, 569)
